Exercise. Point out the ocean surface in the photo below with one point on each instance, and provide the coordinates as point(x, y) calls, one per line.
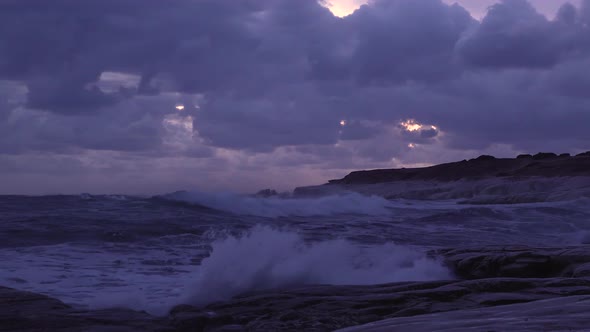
point(152, 253)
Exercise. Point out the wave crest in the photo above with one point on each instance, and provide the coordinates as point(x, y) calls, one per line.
point(345, 203)
point(266, 258)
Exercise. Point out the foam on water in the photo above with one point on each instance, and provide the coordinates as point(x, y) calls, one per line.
point(155, 279)
point(149, 279)
point(266, 258)
point(164, 268)
point(345, 203)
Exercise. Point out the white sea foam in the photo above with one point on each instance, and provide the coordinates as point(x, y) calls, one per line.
point(345, 203)
point(266, 258)
point(263, 258)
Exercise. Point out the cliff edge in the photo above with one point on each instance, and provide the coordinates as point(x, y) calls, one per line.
point(539, 165)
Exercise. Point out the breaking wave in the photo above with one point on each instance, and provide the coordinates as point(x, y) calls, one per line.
point(345, 203)
point(266, 258)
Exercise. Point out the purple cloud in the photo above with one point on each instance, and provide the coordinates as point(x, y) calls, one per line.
point(264, 84)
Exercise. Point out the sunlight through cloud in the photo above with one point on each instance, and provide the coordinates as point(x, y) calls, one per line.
point(411, 125)
point(342, 8)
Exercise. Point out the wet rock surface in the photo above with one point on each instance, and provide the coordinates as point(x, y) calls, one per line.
point(25, 311)
point(487, 277)
point(557, 314)
point(522, 262)
point(325, 308)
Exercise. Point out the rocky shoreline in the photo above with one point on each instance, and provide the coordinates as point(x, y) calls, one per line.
point(538, 165)
point(486, 278)
point(515, 287)
point(544, 177)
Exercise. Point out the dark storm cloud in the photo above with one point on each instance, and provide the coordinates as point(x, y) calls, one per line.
point(514, 34)
point(522, 108)
point(399, 41)
point(73, 43)
point(123, 129)
point(275, 73)
point(359, 130)
point(265, 123)
point(65, 95)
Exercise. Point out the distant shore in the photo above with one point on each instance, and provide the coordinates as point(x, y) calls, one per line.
point(541, 164)
point(483, 180)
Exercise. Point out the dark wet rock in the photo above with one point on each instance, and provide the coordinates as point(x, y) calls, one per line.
point(485, 157)
point(539, 165)
point(324, 308)
point(544, 155)
point(522, 262)
point(24, 311)
point(312, 308)
point(558, 314)
point(583, 154)
point(581, 271)
point(524, 156)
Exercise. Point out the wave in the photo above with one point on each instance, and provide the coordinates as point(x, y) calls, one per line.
point(265, 258)
point(344, 203)
point(87, 196)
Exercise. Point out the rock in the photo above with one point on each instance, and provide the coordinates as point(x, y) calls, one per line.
point(558, 314)
point(322, 308)
point(583, 154)
point(496, 276)
point(581, 271)
point(524, 156)
point(544, 155)
point(483, 167)
point(25, 311)
point(520, 262)
point(485, 157)
point(565, 155)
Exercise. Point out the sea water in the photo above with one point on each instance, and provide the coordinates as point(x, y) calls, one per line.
point(152, 253)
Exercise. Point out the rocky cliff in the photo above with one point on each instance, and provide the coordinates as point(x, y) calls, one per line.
point(541, 165)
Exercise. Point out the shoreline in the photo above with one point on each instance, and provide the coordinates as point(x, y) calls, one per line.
point(484, 180)
point(488, 278)
point(539, 165)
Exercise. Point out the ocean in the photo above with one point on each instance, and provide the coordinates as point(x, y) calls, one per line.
point(152, 253)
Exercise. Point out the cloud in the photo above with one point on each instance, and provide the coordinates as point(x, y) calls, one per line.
point(513, 34)
point(266, 83)
point(403, 40)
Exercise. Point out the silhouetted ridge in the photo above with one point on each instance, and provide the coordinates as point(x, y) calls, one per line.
point(542, 164)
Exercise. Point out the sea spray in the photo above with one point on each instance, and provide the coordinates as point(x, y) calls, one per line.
point(266, 258)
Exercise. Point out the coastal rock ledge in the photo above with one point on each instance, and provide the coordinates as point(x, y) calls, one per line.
point(544, 177)
point(539, 165)
point(514, 288)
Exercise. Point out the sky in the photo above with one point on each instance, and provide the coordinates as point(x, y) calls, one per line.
point(477, 8)
point(153, 96)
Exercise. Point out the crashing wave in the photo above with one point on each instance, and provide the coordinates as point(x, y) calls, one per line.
point(266, 258)
point(273, 206)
